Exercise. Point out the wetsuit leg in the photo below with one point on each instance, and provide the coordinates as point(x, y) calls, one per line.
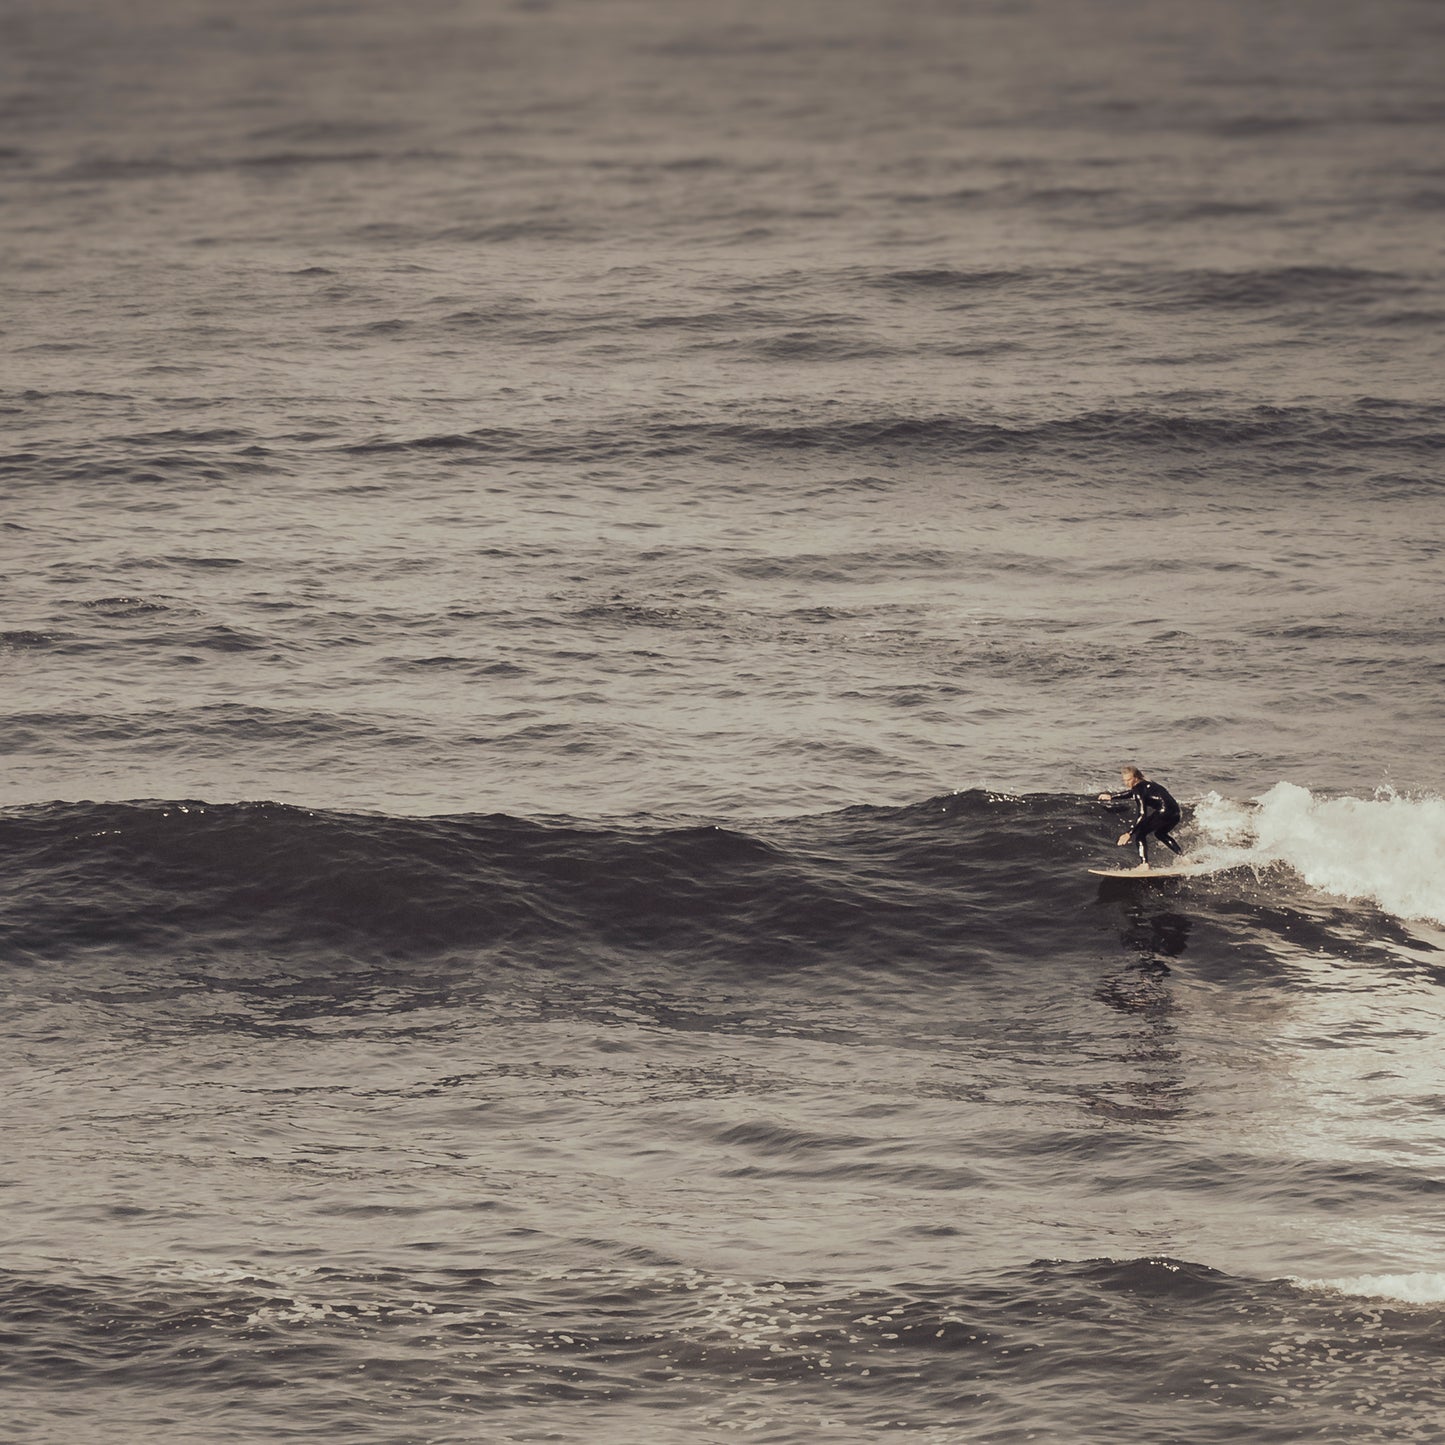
point(1157, 826)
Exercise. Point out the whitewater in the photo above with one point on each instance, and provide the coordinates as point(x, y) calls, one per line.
point(574, 574)
point(1388, 850)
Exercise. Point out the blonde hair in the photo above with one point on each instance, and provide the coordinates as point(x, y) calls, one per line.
point(1134, 773)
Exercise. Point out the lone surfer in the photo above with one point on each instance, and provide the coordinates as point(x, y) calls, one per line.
point(1158, 814)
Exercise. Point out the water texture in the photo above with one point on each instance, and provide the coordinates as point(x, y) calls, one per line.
point(573, 574)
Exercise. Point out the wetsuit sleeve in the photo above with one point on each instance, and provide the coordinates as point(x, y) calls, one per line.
point(1119, 801)
point(1140, 795)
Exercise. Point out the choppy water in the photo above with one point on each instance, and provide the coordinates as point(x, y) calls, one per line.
point(573, 572)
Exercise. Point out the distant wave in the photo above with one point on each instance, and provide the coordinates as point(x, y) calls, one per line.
point(943, 279)
point(1155, 287)
point(1262, 288)
point(1405, 428)
point(148, 167)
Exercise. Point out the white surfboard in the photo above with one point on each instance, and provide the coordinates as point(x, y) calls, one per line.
point(1182, 870)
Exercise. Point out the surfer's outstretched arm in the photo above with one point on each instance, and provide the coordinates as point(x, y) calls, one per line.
point(1121, 801)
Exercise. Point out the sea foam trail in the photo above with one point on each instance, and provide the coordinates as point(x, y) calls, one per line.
point(1426, 1287)
point(1389, 849)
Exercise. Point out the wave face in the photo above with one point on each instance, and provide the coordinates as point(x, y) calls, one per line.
point(941, 885)
point(855, 890)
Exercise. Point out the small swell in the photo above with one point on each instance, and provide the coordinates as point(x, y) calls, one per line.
point(1203, 290)
point(1413, 429)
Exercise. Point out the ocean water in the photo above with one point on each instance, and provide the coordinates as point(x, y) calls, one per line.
point(574, 571)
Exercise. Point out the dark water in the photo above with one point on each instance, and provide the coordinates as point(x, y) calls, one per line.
point(573, 573)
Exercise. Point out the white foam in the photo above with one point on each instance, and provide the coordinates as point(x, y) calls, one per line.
point(1426, 1287)
point(1388, 849)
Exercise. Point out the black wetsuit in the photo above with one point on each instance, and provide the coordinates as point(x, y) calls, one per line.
point(1158, 816)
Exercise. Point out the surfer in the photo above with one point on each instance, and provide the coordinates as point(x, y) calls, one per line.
point(1158, 814)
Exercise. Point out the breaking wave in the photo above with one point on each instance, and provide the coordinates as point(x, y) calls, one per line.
point(1388, 850)
point(1424, 1287)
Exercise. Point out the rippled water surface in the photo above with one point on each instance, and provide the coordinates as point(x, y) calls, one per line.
point(574, 571)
